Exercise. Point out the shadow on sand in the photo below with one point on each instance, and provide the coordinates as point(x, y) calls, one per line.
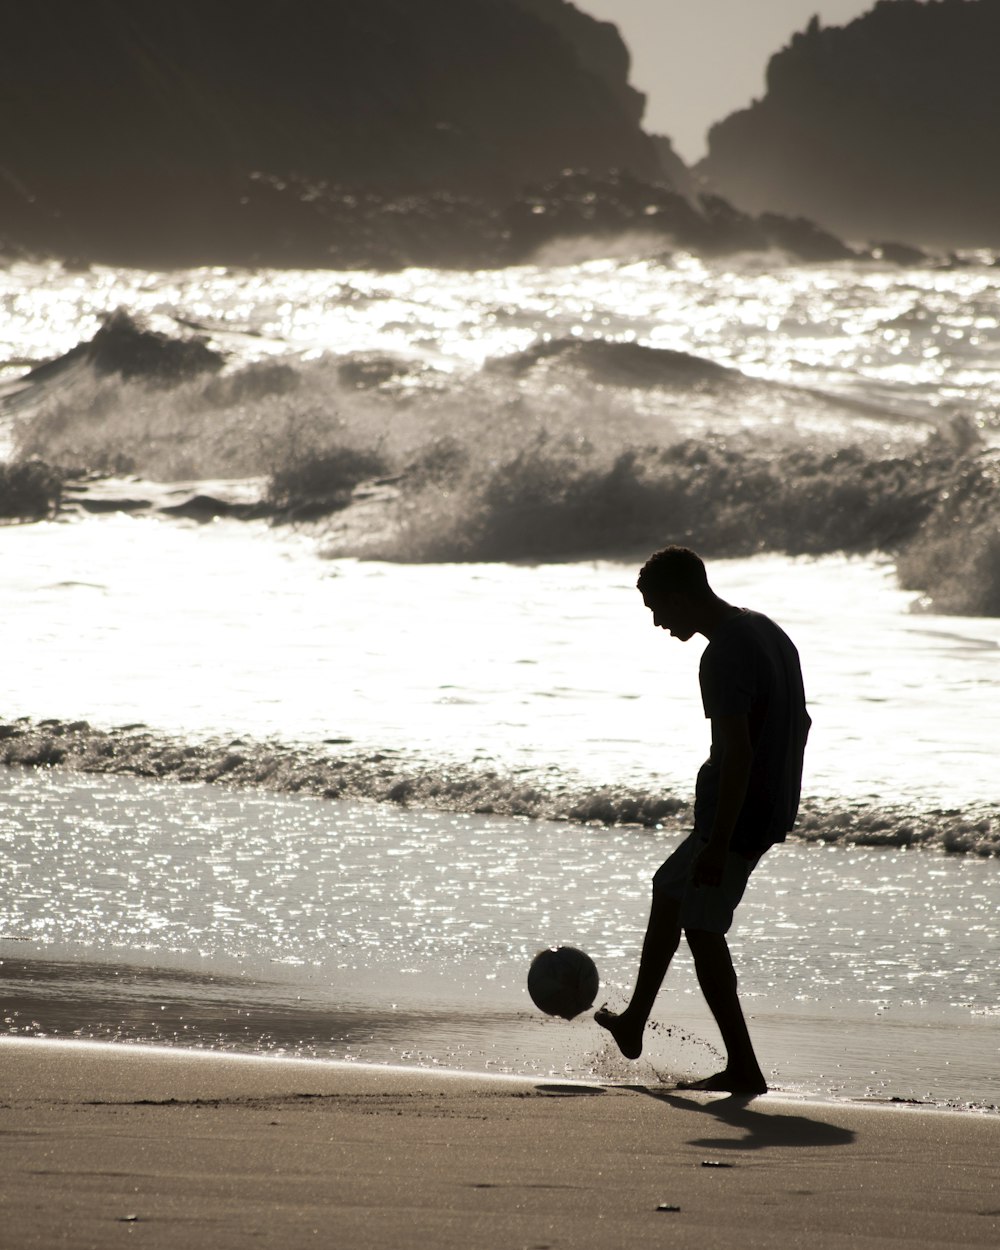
point(761, 1129)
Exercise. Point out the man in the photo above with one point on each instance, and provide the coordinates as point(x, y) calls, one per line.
point(746, 799)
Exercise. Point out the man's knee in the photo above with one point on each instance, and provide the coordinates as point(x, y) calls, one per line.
point(710, 951)
point(705, 940)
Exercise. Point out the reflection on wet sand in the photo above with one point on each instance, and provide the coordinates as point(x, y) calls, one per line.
point(128, 1003)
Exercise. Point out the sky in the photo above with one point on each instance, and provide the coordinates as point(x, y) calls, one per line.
point(699, 60)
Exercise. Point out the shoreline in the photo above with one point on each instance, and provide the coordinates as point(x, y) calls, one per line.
point(167, 1010)
point(330, 769)
point(104, 1144)
point(191, 916)
point(339, 769)
point(153, 1052)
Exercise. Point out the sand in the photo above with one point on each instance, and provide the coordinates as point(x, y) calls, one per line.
point(117, 1145)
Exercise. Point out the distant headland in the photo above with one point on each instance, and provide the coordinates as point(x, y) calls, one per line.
point(153, 132)
point(886, 127)
point(466, 133)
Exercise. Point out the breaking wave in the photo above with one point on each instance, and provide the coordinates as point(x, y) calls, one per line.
point(569, 449)
point(393, 777)
point(622, 364)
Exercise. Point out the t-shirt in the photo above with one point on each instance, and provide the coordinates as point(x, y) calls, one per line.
point(751, 667)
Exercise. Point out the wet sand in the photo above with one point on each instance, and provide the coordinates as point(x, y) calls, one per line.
point(106, 1146)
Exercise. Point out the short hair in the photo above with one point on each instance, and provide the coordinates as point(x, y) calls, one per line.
point(673, 568)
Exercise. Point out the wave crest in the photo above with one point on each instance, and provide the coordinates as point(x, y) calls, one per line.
point(956, 557)
point(621, 364)
point(569, 449)
point(392, 777)
point(934, 508)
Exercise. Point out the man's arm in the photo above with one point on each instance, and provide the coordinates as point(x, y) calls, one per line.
point(731, 742)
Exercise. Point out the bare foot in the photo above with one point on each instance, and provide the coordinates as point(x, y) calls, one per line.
point(627, 1037)
point(729, 1082)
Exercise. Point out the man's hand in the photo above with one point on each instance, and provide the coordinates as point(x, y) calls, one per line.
point(709, 865)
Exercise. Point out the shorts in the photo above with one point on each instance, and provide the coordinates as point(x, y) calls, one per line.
point(708, 907)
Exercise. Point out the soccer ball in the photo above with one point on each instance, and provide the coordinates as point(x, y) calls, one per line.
point(563, 982)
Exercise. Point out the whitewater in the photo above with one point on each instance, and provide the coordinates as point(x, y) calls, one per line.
point(200, 915)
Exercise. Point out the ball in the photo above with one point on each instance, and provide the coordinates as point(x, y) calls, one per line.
point(563, 982)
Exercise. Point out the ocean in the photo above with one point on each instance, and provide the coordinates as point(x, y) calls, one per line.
point(465, 635)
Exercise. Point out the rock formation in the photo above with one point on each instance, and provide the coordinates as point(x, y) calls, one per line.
point(885, 128)
point(598, 46)
point(382, 133)
point(158, 133)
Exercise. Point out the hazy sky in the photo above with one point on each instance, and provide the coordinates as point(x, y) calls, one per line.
point(698, 60)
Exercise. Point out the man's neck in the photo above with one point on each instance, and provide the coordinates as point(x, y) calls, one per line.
point(717, 613)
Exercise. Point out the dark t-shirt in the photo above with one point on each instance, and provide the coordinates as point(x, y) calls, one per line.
point(751, 667)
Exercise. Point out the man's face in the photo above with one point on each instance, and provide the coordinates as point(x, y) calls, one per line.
point(672, 610)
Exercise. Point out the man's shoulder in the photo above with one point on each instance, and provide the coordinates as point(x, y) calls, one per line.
point(749, 640)
point(753, 626)
point(744, 627)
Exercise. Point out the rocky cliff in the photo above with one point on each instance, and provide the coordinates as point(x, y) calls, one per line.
point(886, 127)
point(598, 46)
point(182, 131)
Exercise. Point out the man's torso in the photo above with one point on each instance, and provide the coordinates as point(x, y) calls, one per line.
point(751, 667)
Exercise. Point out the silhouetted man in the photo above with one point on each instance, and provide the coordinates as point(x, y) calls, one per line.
point(746, 799)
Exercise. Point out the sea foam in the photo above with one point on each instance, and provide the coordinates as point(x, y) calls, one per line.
point(408, 780)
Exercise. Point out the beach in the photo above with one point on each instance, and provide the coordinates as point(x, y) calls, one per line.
point(290, 801)
point(144, 911)
point(107, 1146)
point(354, 359)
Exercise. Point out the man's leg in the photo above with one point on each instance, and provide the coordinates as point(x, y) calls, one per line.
point(663, 935)
point(717, 978)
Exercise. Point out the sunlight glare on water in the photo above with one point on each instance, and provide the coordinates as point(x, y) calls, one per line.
point(189, 915)
point(238, 629)
point(262, 920)
point(860, 330)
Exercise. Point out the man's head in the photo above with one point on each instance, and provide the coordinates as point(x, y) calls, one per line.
point(674, 586)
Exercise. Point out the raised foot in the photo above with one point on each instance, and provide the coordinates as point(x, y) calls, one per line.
point(728, 1082)
point(627, 1037)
